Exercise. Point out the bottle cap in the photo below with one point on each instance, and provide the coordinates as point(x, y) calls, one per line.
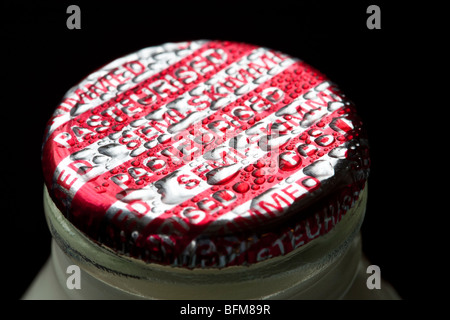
point(205, 154)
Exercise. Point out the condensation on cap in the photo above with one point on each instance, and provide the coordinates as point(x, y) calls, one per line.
point(185, 154)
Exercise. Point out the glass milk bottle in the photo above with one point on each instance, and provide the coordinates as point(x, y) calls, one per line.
point(206, 170)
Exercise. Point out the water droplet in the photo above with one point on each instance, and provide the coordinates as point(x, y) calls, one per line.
point(259, 164)
point(281, 127)
point(164, 138)
point(100, 159)
point(101, 129)
point(338, 152)
point(130, 195)
point(185, 123)
point(132, 144)
point(84, 154)
point(312, 116)
point(341, 125)
point(151, 144)
point(118, 127)
point(259, 173)
point(204, 138)
point(219, 153)
point(219, 103)
point(321, 169)
point(194, 215)
point(156, 115)
point(256, 129)
point(223, 175)
point(249, 168)
point(322, 86)
point(114, 150)
point(155, 164)
point(138, 151)
point(260, 180)
point(240, 141)
point(307, 150)
point(324, 140)
point(115, 135)
point(94, 121)
point(177, 187)
point(208, 205)
point(219, 126)
point(289, 160)
point(138, 123)
point(314, 132)
point(119, 119)
point(310, 95)
point(120, 178)
point(242, 113)
point(268, 143)
point(241, 187)
point(309, 182)
point(334, 105)
point(273, 94)
point(290, 180)
point(224, 196)
point(137, 172)
point(135, 163)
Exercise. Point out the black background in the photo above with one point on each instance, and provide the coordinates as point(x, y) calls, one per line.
point(376, 69)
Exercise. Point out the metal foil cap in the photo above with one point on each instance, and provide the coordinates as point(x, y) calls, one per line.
point(205, 154)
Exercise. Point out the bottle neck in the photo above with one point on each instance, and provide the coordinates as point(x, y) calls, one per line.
point(322, 269)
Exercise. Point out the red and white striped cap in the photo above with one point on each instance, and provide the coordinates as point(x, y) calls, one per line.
point(205, 154)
